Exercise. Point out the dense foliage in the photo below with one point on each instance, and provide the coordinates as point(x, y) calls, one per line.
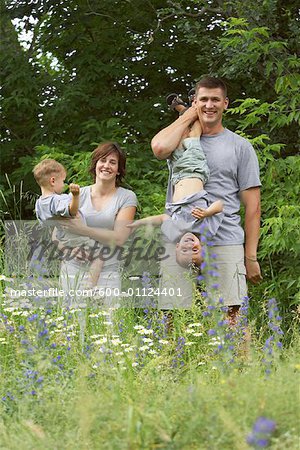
point(91, 71)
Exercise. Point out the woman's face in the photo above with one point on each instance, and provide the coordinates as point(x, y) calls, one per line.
point(107, 167)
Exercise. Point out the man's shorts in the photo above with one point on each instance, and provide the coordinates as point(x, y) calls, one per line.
point(232, 273)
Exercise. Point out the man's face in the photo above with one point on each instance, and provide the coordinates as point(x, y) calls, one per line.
point(210, 104)
point(188, 250)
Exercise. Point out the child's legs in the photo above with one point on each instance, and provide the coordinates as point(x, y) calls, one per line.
point(95, 270)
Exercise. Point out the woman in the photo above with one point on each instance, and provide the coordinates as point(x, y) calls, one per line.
point(107, 209)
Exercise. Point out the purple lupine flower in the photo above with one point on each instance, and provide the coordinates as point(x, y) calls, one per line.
point(178, 360)
point(203, 265)
point(32, 318)
point(261, 432)
point(272, 344)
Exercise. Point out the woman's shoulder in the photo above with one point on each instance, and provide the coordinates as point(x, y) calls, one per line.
point(84, 190)
point(127, 196)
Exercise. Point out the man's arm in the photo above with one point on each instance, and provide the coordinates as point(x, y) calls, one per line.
point(251, 200)
point(168, 139)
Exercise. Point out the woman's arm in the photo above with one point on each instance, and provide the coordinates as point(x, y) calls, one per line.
point(150, 220)
point(116, 237)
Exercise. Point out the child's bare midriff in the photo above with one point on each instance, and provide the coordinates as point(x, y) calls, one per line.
point(186, 187)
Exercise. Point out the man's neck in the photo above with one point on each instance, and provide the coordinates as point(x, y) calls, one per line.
point(212, 130)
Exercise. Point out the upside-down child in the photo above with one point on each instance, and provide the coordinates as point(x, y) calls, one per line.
point(53, 204)
point(190, 204)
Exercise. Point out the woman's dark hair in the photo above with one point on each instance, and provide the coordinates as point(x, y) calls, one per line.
point(105, 149)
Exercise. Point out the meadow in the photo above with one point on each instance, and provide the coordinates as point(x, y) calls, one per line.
point(140, 378)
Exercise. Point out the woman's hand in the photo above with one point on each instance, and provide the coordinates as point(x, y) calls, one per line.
point(136, 224)
point(74, 225)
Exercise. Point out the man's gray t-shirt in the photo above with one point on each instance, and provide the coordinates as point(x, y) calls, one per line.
point(233, 168)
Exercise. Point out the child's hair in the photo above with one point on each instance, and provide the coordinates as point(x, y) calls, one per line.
point(45, 169)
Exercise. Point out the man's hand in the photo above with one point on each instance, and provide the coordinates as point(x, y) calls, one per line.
point(253, 273)
point(74, 189)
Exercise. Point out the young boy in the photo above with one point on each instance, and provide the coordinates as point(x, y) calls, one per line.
point(50, 176)
point(190, 205)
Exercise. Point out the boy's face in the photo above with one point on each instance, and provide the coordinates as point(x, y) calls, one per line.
point(188, 250)
point(58, 182)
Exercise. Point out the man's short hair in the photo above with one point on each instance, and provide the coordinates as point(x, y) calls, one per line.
point(43, 171)
point(211, 83)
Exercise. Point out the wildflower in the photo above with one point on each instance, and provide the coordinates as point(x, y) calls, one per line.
point(128, 349)
point(4, 278)
point(261, 432)
point(116, 342)
point(272, 344)
point(179, 353)
point(148, 331)
point(144, 348)
point(153, 352)
point(147, 339)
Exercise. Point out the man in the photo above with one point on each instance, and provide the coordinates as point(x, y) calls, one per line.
point(234, 176)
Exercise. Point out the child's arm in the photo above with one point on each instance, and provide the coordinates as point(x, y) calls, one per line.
point(74, 205)
point(214, 208)
point(151, 220)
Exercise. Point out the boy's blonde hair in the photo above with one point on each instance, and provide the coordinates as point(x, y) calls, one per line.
point(43, 171)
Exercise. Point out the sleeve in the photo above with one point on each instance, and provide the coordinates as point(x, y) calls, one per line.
point(248, 168)
point(129, 199)
point(59, 205)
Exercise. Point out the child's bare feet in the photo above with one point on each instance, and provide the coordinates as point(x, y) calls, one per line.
point(196, 129)
point(180, 108)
